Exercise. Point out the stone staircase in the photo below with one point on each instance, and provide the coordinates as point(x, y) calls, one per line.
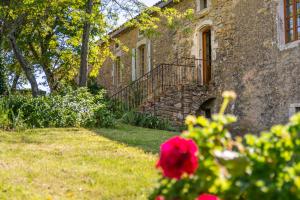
point(177, 102)
point(170, 91)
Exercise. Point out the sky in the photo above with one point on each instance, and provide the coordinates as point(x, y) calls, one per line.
point(150, 2)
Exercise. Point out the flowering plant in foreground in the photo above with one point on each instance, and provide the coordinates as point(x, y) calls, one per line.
point(207, 197)
point(208, 163)
point(178, 156)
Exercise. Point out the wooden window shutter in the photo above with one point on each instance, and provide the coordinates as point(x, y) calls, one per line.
point(149, 56)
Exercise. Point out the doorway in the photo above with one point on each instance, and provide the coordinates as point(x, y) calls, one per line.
point(206, 56)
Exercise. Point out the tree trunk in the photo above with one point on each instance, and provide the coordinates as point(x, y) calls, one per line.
point(26, 68)
point(53, 85)
point(83, 74)
point(15, 83)
point(45, 63)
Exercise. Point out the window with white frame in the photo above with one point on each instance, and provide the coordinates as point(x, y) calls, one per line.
point(202, 5)
point(294, 108)
point(292, 20)
point(140, 34)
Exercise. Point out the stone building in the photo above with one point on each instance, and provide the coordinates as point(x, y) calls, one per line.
point(249, 46)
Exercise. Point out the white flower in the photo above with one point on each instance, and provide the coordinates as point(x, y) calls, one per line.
point(226, 155)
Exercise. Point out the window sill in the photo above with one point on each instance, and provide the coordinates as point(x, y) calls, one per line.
point(293, 109)
point(202, 13)
point(289, 45)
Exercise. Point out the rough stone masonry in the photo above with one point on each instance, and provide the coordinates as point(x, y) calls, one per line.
point(249, 55)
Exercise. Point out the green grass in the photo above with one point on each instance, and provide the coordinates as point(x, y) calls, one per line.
point(147, 139)
point(79, 163)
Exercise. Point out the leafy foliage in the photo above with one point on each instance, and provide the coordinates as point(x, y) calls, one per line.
point(49, 35)
point(72, 108)
point(146, 120)
point(3, 77)
point(4, 119)
point(266, 166)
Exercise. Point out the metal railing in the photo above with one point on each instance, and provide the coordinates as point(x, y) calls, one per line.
point(153, 84)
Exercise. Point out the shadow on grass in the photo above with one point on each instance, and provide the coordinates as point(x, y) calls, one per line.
point(148, 140)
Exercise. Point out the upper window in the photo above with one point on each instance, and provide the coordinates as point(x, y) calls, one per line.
point(140, 34)
point(117, 45)
point(294, 108)
point(202, 4)
point(292, 20)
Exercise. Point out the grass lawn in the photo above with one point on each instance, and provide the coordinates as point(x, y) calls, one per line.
point(79, 163)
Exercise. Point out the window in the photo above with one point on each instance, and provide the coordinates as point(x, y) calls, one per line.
point(142, 60)
point(140, 34)
point(202, 4)
point(118, 71)
point(294, 108)
point(117, 45)
point(292, 20)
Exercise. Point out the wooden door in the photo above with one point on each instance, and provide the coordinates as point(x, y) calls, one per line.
point(206, 41)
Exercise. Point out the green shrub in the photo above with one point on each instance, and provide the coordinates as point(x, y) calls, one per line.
point(72, 108)
point(101, 117)
point(4, 116)
point(265, 167)
point(146, 120)
point(117, 107)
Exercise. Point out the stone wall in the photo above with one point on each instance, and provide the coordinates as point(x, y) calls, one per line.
point(127, 39)
point(265, 77)
point(177, 102)
point(248, 57)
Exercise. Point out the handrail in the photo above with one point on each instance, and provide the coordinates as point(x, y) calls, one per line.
point(154, 82)
point(137, 79)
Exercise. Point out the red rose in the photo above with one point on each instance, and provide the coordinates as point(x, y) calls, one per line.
point(160, 198)
point(178, 156)
point(207, 197)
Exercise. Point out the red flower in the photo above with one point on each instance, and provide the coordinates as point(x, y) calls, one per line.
point(178, 156)
point(207, 197)
point(160, 198)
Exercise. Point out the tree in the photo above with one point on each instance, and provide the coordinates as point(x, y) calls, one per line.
point(3, 80)
point(62, 37)
point(110, 10)
point(13, 20)
point(3, 75)
point(85, 46)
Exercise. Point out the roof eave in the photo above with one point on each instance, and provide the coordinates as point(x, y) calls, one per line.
point(160, 4)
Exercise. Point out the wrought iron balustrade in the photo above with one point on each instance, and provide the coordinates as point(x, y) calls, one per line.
point(152, 85)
